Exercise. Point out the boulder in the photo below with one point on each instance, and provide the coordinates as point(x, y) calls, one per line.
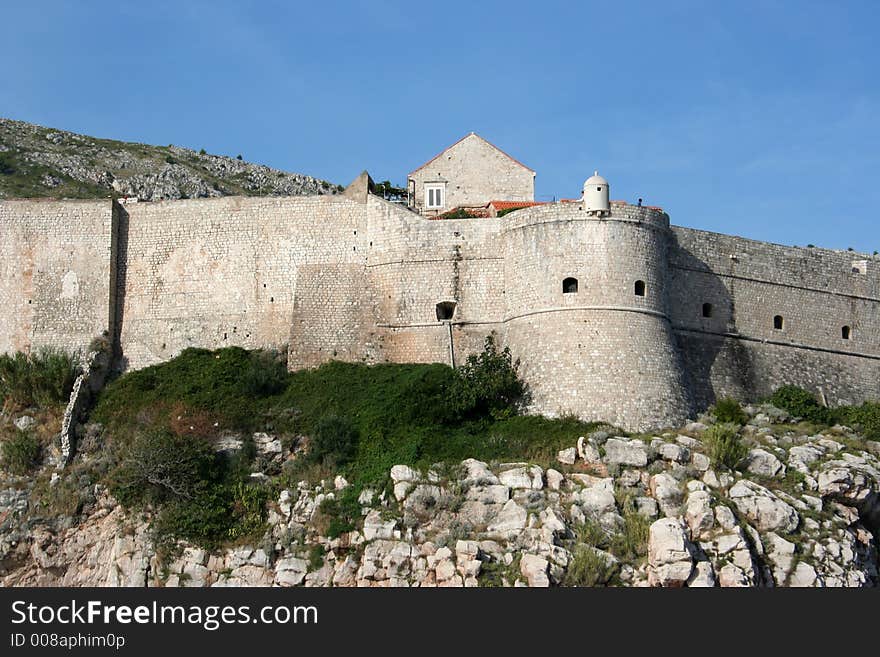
point(764, 464)
point(290, 571)
point(670, 563)
point(764, 509)
point(510, 520)
point(534, 569)
point(567, 456)
point(626, 452)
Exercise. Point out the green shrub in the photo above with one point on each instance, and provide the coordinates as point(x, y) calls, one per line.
point(265, 375)
point(44, 378)
point(20, 453)
point(341, 513)
point(487, 384)
point(724, 445)
point(334, 442)
point(316, 556)
point(159, 466)
point(589, 567)
point(631, 542)
point(867, 416)
point(728, 409)
point(801, 403)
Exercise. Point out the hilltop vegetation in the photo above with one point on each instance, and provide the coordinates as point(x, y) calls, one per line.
point(44, 162)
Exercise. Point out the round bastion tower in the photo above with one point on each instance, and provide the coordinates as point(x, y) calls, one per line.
point(587, 313)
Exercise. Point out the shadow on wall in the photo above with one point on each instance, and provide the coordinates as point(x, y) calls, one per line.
point(120, 363)
point(702, 312)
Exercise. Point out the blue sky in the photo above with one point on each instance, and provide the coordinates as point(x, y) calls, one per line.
point(759, 119)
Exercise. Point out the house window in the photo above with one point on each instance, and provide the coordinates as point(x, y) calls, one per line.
point(445, 310)
point(777, 322)
point(845, 332)
point(640, 288)
point(707, 310)
point(570, 286)
point(434, 196)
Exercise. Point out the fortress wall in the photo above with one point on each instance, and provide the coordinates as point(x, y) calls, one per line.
point(55, 273)
point(221, 272)
point(416, 263)
point(331, 321)
point(814, 290)
point(602, 353)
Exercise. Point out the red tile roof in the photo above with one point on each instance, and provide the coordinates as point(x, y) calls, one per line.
point(506, 205)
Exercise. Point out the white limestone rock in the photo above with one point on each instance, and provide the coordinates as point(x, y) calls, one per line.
point(626, 452)
point(534, 569)
point(764, 464)
point(763, 508)
point(670, 562)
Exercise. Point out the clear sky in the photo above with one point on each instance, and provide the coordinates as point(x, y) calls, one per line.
point(759, 119)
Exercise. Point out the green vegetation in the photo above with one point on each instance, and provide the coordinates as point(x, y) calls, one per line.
point(42, 379)
point(19, 453)
point(202, 496)
point(724, 445)
point(801, 403)
point(360, 420)
point(867, 416)
point(728, 409)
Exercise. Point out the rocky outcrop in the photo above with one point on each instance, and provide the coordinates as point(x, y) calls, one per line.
point(43, 162)
point(646, 512)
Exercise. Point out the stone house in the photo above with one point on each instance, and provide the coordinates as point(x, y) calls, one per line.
point(470, 173)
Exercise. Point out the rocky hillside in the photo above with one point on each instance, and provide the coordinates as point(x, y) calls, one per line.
point(799, 506)
point(44, 162)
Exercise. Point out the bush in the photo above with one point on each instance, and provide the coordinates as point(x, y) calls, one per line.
point(487, 384)
point(728, 409)
point(44, 378)
point(20, 453)
point(724, 445)
point(867, 415)
point(160, 466)
point(801, 403)
point(589, 567)
point(334, 442)
point(265, 375)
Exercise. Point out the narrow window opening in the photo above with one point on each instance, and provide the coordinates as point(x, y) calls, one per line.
point(640, 288)
point(570, 286)
point(845, 332)
point(707, 310)
point(778, 322)
point(445, 310)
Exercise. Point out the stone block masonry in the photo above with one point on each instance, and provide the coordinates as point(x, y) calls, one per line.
point(620, 318)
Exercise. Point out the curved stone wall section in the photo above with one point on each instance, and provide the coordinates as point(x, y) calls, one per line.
point(610, 366)
point(603, 352)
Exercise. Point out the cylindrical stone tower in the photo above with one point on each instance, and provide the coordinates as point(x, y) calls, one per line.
point(586, 314)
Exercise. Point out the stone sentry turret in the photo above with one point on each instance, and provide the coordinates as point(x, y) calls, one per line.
point(596, 196)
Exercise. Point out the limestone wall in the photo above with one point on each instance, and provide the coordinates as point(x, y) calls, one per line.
point(476, 173)
point(55, 273)
point(221, 272)
point(602, 352)
point(355, 278)
point(737, 351)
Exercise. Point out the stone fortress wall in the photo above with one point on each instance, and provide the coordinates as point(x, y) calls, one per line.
point(353, 277)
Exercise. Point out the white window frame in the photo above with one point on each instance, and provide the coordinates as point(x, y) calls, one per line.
point(439, 190)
